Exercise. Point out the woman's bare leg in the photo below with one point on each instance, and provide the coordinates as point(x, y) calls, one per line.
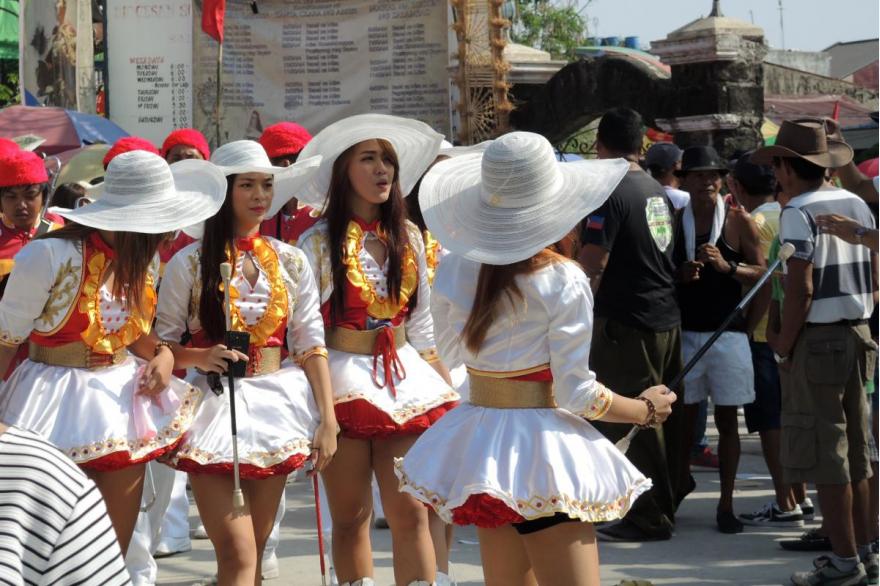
point(263, 497)
point(504, 557)
point(564, 554)
point(121, 490)
point(407, 517)
point(231, 532)
point(349, 496)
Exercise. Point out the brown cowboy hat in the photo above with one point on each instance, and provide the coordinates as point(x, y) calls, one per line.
point(805, 139)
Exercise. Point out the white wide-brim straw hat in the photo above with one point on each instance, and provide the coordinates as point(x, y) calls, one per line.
point(141, 193)
point(508, 203)
point(415, 143)
point(249, 156)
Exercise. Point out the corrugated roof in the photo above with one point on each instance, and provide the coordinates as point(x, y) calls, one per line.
point(852, 114)
point(847, 58)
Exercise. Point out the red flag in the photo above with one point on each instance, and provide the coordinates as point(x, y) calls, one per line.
point(213, 15)
point(836, 113)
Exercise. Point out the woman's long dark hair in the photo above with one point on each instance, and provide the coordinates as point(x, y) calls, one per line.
point(494, 282)
point(392, 220)
point(134, 253)
point(219, 238)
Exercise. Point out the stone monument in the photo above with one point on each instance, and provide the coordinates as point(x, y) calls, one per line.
point(716, 95)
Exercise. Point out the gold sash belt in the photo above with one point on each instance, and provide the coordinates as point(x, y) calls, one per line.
point(75, 355)
point(360, 341)
point(264, 361)
point(506, 393)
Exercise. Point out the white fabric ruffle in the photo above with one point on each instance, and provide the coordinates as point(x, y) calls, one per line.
point(420, 391)
point(538, 462)
point(89, 414)
point(276, 418)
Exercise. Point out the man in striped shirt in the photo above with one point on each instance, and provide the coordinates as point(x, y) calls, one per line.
point(824, 348)
point(54, 527)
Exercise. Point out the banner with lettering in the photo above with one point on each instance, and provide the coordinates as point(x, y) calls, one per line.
point(316, 61)
point(149, 52)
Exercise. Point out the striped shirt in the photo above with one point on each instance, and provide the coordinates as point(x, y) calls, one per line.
point(54, 527)
point(842, 284)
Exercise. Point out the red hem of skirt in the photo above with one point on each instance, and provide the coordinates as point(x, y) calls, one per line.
point(485, 511)
point(246, 471)
point(360, 419)
point(120, 460)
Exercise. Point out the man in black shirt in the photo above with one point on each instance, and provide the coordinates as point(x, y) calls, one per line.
point(627, 253)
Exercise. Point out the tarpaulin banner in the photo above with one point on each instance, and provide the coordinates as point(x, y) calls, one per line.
point(316, 61)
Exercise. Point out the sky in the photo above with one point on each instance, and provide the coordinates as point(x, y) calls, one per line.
point(810, 25)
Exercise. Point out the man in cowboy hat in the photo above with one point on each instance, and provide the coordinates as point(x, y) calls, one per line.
point(824, 348)
point(717, 253)
point(627, 253)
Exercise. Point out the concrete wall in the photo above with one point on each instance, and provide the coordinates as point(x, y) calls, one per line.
point(812, 61)
point(783, 81)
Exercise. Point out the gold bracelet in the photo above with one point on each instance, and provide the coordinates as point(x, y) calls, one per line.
point(160, 345)
point(316, 351)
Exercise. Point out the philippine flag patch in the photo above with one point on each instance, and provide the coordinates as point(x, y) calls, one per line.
point(595, 222)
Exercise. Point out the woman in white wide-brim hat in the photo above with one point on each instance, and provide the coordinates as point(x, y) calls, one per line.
point(388, 384)
point(83, 298)
point(284, 406)
point(519, 459)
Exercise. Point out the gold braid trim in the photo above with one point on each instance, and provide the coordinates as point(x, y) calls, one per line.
point(276, 308)
point(377, 306)
point(139, 320)
point(432, 255)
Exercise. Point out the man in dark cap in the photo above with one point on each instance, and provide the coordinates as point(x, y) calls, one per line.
point(663, 159)
point(718, 254)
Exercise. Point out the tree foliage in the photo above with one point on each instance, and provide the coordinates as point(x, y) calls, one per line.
point(556, 27)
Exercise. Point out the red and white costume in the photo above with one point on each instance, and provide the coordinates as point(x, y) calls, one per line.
point(393, 390)
point(276, 413)
point(55, 301)
point(492, 466)
point(289, 228)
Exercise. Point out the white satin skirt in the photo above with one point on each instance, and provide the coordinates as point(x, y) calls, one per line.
point(490, 467)
point(91, 414)
point(276, 418)
point(366, 410)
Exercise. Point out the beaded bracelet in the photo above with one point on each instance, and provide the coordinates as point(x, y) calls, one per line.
point(651, 419)
point(159, 346)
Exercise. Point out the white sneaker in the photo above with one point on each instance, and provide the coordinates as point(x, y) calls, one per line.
point(443, 580)
point(269, 569)
point(199, 532)
point(171, 547)
point(808, 509)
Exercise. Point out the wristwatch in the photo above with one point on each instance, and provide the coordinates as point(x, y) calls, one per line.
point(860, 233)
point(733, 266)
point(779, 359)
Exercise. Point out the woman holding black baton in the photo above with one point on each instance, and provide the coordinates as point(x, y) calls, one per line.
point(283, 409)
point(519, 460)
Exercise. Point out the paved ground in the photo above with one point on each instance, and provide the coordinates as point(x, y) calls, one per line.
point(697, 554)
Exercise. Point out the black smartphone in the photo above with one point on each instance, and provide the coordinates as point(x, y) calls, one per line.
point(238, 341)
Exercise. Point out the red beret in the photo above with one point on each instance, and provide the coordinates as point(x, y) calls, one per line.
point(284, 138)
point(8, 146)
point(126, 144)
point(190, 137)
point(22, 168)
